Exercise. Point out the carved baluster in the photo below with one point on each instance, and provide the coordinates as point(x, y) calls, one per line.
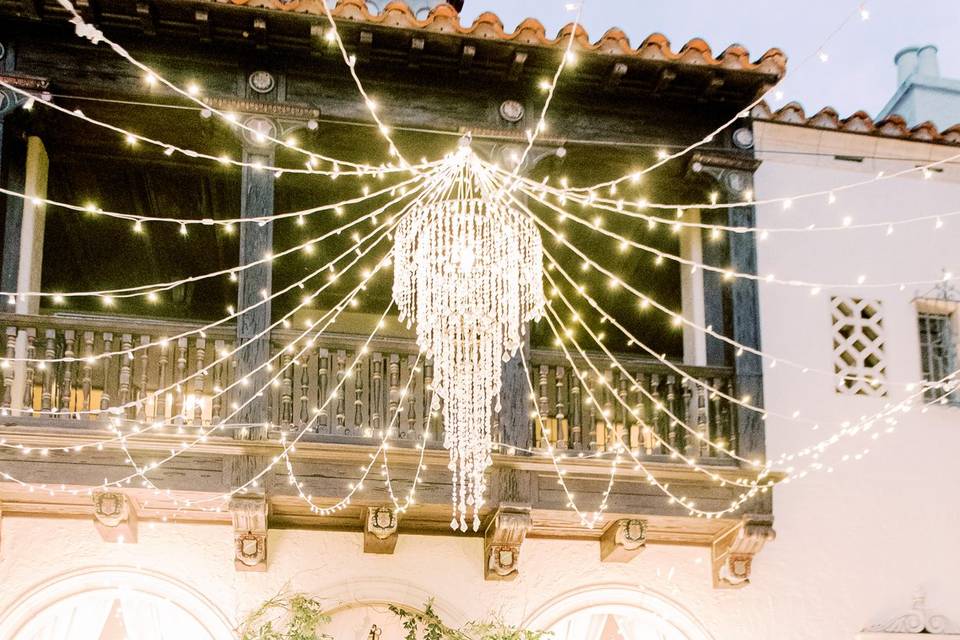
point(200, 381)
point(143, 366)
point(66, 383)
point(703, 420)
point(595, 434)
point(563, 425)
point(658, 414)
point(623, 429)
point(9, 369)
point(721, 409)
point(607, 425)
point(126, 371)
point(107, 361)
point(358, 389)
point(412, 395)
point(181, 374)
point(644, 413)
point(429, 420)
point(88, 362)
point(393, 394)
point(376, 395)
point(216, 403)
point(304, 414)
point(28, 390)
point(49, 371)
point(160, 406)
point(576, 412)
point(340, 406)
point(286, 391)
point(687, 413)
point(543, 406)
point(323, 384)
point(672, 406)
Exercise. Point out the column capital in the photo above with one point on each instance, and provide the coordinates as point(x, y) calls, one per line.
point(732, 172)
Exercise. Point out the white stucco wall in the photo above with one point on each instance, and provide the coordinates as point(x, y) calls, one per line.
point(852, 545)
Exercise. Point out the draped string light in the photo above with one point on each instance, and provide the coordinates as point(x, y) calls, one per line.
point(635, 208)
point(727, 273)
point(302, 214)
point(467, 274)
point(339, 167)
point(94, 33)
point(192, 92)
point(679, 319)
point(329, 266)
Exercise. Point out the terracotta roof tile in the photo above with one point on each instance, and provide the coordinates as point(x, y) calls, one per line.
point(445, 19)
point(893, 126)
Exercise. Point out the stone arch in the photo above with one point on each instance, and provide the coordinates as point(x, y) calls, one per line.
point(584, 613)
point(81, 604)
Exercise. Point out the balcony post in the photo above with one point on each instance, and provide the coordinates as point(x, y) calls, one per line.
point(256, 241)
point(733, 309)
point(692, 293)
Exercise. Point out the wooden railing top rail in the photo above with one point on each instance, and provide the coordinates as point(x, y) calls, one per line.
point(163, 327)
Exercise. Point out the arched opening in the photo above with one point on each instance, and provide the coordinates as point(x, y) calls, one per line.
point(113, 604)
point(616, 613)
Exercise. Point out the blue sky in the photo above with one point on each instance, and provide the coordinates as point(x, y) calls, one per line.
point(858, 75)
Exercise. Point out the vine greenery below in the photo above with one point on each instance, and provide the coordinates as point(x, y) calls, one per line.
point(299, 616)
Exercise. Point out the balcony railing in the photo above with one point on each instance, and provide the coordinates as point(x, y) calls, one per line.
point(192, 381)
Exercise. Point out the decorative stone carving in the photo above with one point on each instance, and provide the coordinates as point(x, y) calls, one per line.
point(502, 539)
point(512, 111)
point(114, 516)
point(380, 530)
point(262, 81)
point(249, 532)
point(623, 540)
point(733, 552)
point(918, 620)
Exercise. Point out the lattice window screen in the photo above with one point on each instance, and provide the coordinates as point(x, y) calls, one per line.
point(858, 357)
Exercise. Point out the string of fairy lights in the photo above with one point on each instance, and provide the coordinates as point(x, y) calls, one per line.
point(427, 185)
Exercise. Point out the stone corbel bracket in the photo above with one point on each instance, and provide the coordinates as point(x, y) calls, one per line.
point(732, 552)
point(501, 542)
point(249, 514)
point(623, 540)
point(114, 516)
point(380, 530)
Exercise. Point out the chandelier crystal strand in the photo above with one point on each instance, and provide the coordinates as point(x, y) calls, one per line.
point(468, 274)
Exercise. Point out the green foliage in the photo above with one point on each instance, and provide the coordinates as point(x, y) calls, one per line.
point(429, 626)
point(297, 616)
point(294, 616)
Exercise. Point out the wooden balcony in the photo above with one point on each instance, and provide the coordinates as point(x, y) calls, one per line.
point(147, 371)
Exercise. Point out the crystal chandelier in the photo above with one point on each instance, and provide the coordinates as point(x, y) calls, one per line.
point(468, 274)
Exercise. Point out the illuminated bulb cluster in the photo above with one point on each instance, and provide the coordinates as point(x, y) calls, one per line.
point(468, 275)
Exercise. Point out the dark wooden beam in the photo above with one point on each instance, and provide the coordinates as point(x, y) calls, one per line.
point(256, 240)
point(516, 65)
point(148, 21)
point(201, 18)
point(260, 33)
point(416, 52)
point(466, 58)
point(617, 71)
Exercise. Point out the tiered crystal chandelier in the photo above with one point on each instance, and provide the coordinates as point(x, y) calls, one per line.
point(468, 274)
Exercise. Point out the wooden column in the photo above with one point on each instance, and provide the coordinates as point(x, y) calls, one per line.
point(691, 293)
point(256, 240)
point(745, 329)
point(733, 308)
point(32, 221)
point(514, 417)
point(13, 171)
